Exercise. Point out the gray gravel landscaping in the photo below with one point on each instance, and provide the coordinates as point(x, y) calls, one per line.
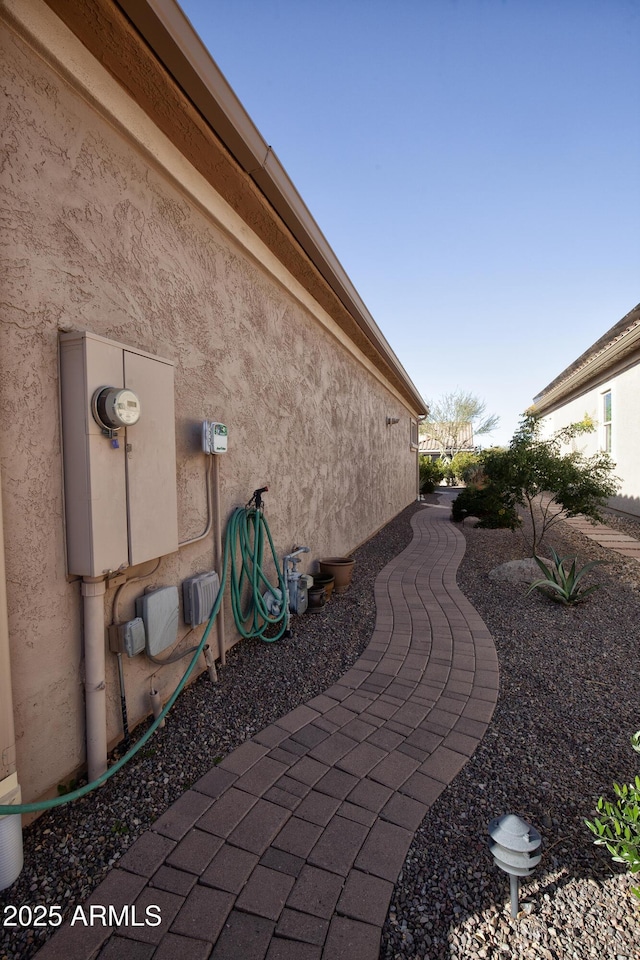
point(569, 702)
point(68, 851)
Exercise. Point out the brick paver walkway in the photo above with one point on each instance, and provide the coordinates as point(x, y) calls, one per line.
point(290, 848)
point(606, 536)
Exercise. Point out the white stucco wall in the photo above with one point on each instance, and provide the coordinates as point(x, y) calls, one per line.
point(113, 232)
point(625, 430)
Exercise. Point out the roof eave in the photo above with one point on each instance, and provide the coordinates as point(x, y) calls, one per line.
point(592, 370)
point(176, 44)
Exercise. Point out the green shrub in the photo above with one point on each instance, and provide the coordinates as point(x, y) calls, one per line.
point(493, 509)
point(551, 485)
point(464, 467)
point(618, 825)
point(431, 473)
point(448, 473)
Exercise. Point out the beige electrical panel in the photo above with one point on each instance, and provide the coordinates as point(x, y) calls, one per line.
point(120, 485)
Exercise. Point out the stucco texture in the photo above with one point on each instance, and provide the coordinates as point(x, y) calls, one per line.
point(99, 239)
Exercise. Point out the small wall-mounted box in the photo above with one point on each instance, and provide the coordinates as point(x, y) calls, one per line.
point(129, 638)
point(215, 437)
point(199, 595)
point(159, 609)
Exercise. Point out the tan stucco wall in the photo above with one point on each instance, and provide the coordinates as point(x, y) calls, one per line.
point(106, 239)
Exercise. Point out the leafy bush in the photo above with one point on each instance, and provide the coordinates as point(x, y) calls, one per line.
point(618, 826)
point(551, 485)
point(431, 473)
point(564, 586)
point(464, 467)
point(493, 509)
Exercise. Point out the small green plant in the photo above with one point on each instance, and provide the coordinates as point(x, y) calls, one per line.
point(564, 585)
point(431, 473)
point(65, 788)
point(618, 825)
point(465, 467)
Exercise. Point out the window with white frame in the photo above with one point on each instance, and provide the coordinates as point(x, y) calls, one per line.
point(606, 421)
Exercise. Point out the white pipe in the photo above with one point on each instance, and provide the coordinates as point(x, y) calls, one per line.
point(217, 556)
point(210, 661)
point(93, 591)
point(156, 704)
point(11, 857)
point(7, 731)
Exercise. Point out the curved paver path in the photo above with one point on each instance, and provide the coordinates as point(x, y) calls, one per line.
point(289, 849)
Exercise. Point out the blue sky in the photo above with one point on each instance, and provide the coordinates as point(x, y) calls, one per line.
point(474, 164)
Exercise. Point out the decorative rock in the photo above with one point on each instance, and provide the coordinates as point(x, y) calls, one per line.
point(517, 571)
point(557, 672)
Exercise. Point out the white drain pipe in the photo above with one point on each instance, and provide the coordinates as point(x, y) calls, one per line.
point(10, 826)
point(95, 685)
point(218, 558)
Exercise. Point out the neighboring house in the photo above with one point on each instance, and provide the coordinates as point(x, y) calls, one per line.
point(604, 383)
point(144, 212)
point(447, 443)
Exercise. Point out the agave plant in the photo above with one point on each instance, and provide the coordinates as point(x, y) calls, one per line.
point(564, 585)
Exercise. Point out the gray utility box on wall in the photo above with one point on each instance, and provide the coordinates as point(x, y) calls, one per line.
point(159, 610)
point(199, 594)
point(120, 490)
point(129, 638)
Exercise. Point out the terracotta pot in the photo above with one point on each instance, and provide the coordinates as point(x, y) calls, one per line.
point(341, 568)
point(325, 580)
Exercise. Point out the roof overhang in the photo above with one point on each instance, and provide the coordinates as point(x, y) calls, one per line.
point(618, 349)
point(180, 54)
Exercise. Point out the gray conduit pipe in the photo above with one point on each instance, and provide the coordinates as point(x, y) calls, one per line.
point(207, 529)
point(93, 591)
point(11, 857)
point(217, 555)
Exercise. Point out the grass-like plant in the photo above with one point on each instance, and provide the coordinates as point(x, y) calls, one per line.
point(618, 825)
point(564, 585)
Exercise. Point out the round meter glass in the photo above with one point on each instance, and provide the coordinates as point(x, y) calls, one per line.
point(114, 408)
point(126, 407)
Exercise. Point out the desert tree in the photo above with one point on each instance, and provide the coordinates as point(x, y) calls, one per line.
point(551, 485)
point(455, 419)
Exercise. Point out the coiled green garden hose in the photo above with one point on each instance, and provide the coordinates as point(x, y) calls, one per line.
point(245, 535)
point(246, 532)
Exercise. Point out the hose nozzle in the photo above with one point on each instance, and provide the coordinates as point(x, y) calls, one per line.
point(257, 497)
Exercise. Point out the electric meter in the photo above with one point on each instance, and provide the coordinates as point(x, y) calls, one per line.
point(114, 408)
